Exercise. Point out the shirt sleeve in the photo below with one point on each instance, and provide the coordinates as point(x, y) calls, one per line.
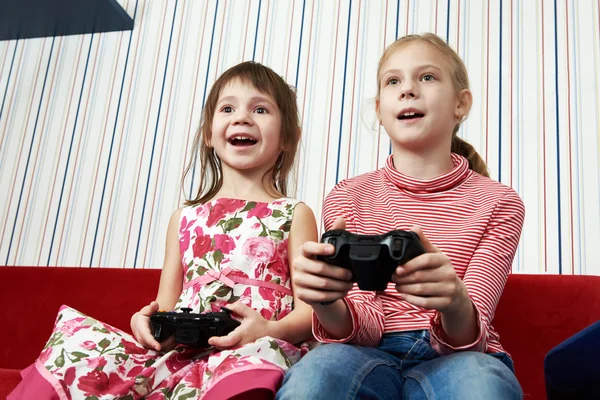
point(487, 272)
point(365, 307)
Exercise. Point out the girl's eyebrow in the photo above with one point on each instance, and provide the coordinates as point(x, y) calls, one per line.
point(395, 71)
point(253, 100)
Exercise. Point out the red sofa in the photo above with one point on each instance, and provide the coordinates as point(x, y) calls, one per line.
point(536, 312)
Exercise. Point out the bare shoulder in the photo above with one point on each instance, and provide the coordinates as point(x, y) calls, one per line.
point(304, 224)
point(302, 211)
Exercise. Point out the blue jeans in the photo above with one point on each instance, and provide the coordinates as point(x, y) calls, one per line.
point(404, 366)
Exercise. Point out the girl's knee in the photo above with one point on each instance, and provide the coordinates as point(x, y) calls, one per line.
point(463, 375)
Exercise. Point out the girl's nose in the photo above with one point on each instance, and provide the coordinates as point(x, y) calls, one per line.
point(242, 118)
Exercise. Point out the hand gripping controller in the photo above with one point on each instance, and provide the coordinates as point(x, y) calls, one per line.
point(191, 329)
point(371, 258)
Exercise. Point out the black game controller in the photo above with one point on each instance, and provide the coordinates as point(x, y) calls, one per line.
point(191, 329)
point(371, 258)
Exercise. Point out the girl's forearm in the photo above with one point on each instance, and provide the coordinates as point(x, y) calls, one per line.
point(460, 326)
point(294, 328)
point(335, 318)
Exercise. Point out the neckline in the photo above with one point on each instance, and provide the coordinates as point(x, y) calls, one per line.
point(246, 200)
point(441, 183)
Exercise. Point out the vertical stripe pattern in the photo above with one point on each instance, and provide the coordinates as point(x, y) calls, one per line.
point(95, 130)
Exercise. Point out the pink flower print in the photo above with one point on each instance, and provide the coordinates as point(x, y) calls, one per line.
point(202, 245)
point(259, 270)
point(133, 348)
point(88, 345)
point(195, 376)
point(256, 226)
point(247, 293)
point(45, 355)
point(266, 313)
point(267, 294)
point(229, 363)
point(97, 383)
point(261, 210)
point(231, 205)
point(96, 362)
point(203, 211)
point(69, 376)
point(282, 249)
point(224, 243)
point(217, 213)
point(259, 249)
point(135, 371)
point(176, 362)
point(184, 240)
point(278, 268)
point(69, 328)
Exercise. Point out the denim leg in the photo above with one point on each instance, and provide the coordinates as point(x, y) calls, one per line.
point(342, 371)
point(463, 375)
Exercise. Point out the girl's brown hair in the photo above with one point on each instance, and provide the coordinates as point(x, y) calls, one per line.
point(460, 79)
point(268, 82)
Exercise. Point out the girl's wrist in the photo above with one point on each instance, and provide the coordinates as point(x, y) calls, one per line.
point(461, 304)
point(273, 329)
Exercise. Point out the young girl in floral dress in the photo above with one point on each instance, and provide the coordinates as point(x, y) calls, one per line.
point(229, 246)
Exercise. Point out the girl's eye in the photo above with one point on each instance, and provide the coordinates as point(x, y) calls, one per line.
point(428, 78)
point(261, 110)
point(227, 109)
point(393, 81)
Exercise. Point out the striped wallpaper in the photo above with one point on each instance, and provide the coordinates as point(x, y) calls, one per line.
point(95, 129)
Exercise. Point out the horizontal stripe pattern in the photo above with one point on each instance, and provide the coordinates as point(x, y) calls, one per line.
point(473, 220)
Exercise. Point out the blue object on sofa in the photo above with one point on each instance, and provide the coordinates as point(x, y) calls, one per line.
point(572, 369)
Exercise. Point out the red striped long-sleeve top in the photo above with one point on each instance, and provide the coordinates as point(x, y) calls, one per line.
point(472, 219)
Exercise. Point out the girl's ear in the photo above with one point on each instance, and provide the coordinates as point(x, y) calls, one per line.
point(377, 110)
point(463, 106)
point(208, 140)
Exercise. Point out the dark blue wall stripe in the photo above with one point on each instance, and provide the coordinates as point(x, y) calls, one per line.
point(112, 140)
point(37, 118)
point(8, 80)
point(162, 91)
point(448, 22)
point(397, 18)
point(500, 101)
point(337, 168)
point(395, 38)
point(300, 45)
point(256, 30)
point(62, 190)
point(557, 139)
point(212, 39)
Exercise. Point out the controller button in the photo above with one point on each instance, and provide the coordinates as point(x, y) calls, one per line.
point(186, 310)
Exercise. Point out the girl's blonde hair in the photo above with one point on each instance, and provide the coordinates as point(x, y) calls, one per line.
point(460, 80)
point(268, 82)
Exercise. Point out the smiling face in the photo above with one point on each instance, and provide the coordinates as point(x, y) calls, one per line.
point(418, 104)
point(246, 128)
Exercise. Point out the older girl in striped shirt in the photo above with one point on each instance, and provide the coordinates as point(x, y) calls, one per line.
point(429, 334)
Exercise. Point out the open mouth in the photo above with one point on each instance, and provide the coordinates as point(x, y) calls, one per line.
point(242, 141)
point(409, 115)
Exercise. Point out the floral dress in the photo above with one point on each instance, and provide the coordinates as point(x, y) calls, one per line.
point(231, 250)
